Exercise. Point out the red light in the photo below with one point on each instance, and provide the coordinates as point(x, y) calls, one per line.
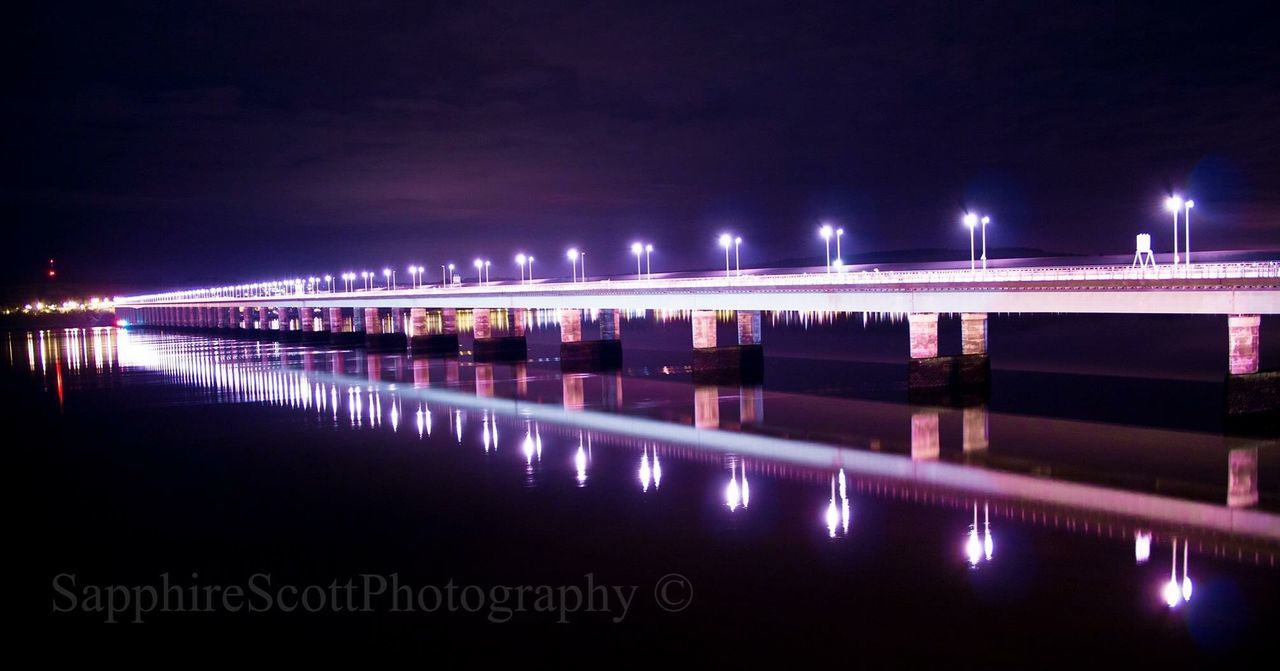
point(52, 273)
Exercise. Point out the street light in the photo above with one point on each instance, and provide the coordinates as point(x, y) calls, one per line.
point(985, 220)
point(1186, 218)
point(725, 241)
point(737, 265)
point(573, 259)
point(389, 274)
point(971, 220)
point(530, 270)
point(479, 271)
point(825, 232)
point(839, 234)
point(637, 249)
point(1174, 204)
point(486, 272)
point(520, 261)
point(328, 283)
point(648, 267)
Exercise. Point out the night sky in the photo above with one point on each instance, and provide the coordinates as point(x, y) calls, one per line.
point(183, 143)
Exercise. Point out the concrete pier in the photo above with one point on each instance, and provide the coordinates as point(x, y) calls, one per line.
point(734, 364)
point(973, 333)
point(578, 355)
point(285, 328)
point(1252, 395)
point(343, 333)
point(315, 331)
point(934, 379)
point(1243, 343)
point(488, 347)
point(428, 335)
point(376, 338)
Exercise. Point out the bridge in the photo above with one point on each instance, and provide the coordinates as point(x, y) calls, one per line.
point(424, 319)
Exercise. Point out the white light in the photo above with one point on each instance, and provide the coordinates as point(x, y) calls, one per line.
point(636, 248)
point(1142, 546)
point(573, 254)
point(825, 232)
point(971, 220)
point(1171, 593)
point(986, 220)
point(520, 259)
point(1173, 203)
point(1190, 204)
point(648, 248)
point(725, 240)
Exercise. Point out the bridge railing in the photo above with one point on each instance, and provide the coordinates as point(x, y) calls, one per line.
point(965, 277)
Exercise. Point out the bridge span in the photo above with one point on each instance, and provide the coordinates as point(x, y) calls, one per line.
point(424, 319)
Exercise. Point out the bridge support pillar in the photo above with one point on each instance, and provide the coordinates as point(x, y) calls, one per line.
point(973, 332)
point(934, 379)
point(343, 334)
point(314, 331)
point(1252, 395)
point(442, 342)
point(735, 364)
point(487, 347)
point(581, 356)
point(377, 339)
point(286, 329)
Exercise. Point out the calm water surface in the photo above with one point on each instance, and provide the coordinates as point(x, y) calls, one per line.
point(815, 513)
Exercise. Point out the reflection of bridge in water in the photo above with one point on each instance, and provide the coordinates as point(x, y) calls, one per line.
point(371, 390)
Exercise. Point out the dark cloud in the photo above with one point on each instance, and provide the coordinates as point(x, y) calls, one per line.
point(176, 142)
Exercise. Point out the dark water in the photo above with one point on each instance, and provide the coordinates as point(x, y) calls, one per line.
point(816, 514)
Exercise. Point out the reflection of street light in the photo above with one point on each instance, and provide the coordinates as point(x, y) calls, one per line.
point(1171, 592)
point(971, 220)
point(1186, 579)
point(725, 241)
point(1174, 204)
point(637, 249)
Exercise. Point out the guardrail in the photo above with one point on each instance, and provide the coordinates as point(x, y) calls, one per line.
point(1208, 271)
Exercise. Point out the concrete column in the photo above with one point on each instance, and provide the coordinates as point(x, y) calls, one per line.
point(449, 320)
point(925, 441)
point(610, 324)
point(246, 318)
point(233, 318)
point(264, 319)
point(220, 317)
point(396, 324)
point(704, 329)
point(480, 321)
point(306, 320)
point(748, 327)
point(357, 320)
point(976, 432)
point(973, 332)
point(372, 324)
point(334, 320)
point(924, 334)
point(570, 325)
point(518, 317)
point(417, 322)
point(1243, 343)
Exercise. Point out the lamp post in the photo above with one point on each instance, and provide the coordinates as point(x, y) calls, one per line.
point(971, 220)
point(520, 261)
point(1174, 204)
point(637, 249)
point(985, 220)
point(737, 258)
point(573, 259)
point(479, 272)
point(328, 283)
point(839, 234)
point(486, 272)
point(825, 232)
point(530, 270)
point(725, 241)
point(1186, 220)
point(648, 267)
point(389, 274)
